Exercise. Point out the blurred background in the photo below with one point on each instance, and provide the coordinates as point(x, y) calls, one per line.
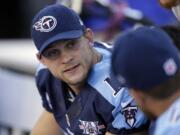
point(20, 103)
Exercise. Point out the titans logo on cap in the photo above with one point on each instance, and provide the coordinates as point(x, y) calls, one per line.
point(45, 24)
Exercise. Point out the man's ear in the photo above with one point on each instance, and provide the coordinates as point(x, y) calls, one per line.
point(89, 35)
point(39, 57)
point(139, 96)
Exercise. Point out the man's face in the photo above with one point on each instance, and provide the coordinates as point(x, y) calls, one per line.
point(168, 3)
point(143, 103)
point(70, 60)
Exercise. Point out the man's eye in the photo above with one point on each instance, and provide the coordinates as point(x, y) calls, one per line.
point(52, 53)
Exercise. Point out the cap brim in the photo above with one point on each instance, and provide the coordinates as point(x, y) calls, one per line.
point(62, 36)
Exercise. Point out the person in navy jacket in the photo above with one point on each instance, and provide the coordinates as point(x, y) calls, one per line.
point(78, 92)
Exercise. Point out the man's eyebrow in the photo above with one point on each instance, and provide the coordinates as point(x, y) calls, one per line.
point(71, 41)
point(57, 42)
point(65, 42)
point(68, 41)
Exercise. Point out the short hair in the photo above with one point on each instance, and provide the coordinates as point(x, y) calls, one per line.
point(174, 33)
point(166, 89)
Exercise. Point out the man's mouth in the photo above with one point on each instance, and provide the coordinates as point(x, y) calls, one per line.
point(71, 69)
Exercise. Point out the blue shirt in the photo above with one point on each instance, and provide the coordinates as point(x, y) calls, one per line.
point(102, 104)
point(169, 122)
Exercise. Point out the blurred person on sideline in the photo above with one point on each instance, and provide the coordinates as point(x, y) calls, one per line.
point(78, 93)
point(148, 63)
point(104, 17)
point(109, 17)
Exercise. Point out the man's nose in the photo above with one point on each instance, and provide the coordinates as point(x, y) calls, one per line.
point(66, 57)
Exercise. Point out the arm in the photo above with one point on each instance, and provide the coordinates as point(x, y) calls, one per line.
point(139, 133)
point(107, 133)
point(46, 125)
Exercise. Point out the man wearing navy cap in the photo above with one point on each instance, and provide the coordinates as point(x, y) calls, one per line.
point(73, 79)
point(147, 61)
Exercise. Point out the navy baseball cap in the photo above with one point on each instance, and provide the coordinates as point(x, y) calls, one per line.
point(144, 58)
point(53, 23)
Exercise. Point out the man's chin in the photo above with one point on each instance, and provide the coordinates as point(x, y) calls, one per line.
point(149, 115)
point(168, 4)
point(74, 82)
